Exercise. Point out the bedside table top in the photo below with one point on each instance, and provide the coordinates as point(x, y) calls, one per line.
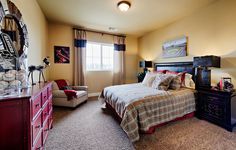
point(222, 92)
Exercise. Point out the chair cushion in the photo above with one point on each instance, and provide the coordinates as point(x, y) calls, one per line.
point(61, 93)
point(81, 93)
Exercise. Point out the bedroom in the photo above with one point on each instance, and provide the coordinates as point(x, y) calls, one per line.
point(210, 28)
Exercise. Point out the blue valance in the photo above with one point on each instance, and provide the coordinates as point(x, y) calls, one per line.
point(80, 43)
point(119, 47)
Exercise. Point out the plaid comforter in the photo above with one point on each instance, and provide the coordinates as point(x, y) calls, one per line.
point(139, 113)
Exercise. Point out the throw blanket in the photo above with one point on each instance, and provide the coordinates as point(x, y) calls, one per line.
point(61, 84)
point(69, 93)
point(141, 110)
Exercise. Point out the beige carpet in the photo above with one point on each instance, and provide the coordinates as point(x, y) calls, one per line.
point(90, 128)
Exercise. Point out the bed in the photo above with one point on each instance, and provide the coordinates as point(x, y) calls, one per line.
point(141, 108)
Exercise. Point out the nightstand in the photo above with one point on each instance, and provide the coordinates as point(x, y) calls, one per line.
point(218, 107)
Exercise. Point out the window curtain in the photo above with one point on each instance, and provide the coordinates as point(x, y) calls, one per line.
point(80, 56)
point(119, 60)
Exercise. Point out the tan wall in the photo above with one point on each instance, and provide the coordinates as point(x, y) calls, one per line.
point(62, 35)
point(37, 29)
point(210, 31)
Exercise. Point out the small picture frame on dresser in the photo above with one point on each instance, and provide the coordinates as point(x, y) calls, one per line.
point(228, 79)
point(227, 84)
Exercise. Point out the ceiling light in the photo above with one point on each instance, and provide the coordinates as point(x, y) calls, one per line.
point(124, 5)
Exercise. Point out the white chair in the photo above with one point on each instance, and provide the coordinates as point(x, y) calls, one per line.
point(60, 98)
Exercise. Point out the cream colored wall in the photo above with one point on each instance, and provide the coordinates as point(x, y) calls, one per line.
point(62, 35)
point(210, 31)
point(37, 29)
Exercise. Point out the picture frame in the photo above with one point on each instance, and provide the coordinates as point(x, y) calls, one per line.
point(62, 54)
point(227, 79)
point(175, 48)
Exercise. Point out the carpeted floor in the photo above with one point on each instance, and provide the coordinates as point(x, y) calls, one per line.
point(90, 128)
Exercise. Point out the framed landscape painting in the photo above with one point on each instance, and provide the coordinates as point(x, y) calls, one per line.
point(61, 54)
point(175, 48)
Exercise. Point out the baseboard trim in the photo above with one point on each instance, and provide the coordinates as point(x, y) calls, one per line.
point(93, 94)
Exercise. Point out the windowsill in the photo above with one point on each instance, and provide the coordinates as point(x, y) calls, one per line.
point(98, 70)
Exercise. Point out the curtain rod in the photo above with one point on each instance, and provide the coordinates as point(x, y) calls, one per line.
point(99, 32)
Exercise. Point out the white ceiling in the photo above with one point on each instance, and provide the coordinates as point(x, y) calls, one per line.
point(143, 16)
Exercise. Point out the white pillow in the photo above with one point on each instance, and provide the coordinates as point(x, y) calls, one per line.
point(149, 78)
point(188, 81)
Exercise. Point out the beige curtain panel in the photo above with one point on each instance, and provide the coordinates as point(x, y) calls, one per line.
point(80, 56)
point(119, 60)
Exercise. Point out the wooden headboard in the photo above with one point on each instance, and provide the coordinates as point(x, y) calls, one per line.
point(175, 66)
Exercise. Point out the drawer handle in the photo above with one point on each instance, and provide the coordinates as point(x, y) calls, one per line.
point(45, 97)
point(38, 148)
point(37, 105)
point(38, 126)
point(45, 114)
point(46, 130)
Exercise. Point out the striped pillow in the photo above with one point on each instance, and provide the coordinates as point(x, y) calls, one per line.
point(162, 81)
point(175, 84)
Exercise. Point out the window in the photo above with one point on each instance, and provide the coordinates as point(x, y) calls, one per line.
point(99, 56)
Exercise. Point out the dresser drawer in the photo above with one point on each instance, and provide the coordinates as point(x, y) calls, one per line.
point(50, 119)
point(36, 126)
point(214, 99)
point(45, 112)
point(50, 104)
point(38, 143)
point(215, 111)
point(45, 131)
point(44, 96)
point(36, 105)
point(49, 90)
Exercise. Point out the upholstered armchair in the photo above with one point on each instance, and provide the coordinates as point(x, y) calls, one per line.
point(61, 99)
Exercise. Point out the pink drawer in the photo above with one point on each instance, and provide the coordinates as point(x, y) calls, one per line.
point(36, 105)
point(45, 112)
point(45, 131)
point(49, 90)
point(39, 143)
point(50, 119)
point(36, 126)
point(44, 96)
point(50, 104)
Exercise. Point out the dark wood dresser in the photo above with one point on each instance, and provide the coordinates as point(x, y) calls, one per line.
point(26, 118)
point(218, 107)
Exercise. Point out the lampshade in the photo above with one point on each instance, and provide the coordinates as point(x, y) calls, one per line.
point(145, 64)
point(206, 61)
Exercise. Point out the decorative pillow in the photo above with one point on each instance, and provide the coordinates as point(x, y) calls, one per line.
point(188, 82)
point(175, 84)
point(181, 74)
point(162, 81)
point(149, 78)
point(161, 71)
point(67, 88)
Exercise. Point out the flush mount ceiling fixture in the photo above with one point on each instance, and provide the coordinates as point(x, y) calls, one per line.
point(124, 6)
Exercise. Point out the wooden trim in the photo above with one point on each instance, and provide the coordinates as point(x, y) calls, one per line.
point(189, 63)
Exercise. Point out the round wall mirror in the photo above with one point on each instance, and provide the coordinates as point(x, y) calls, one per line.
point(14, 38)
